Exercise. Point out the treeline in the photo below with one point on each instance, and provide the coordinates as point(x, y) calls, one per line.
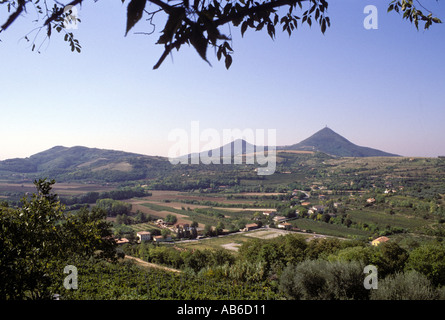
point(114, 208)
point(229, 205)
point(187, 260)
point(92, 197)
point(197, 181)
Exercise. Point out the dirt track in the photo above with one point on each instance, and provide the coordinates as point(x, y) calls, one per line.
point(151, 265)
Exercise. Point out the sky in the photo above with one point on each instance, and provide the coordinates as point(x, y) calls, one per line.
point(381, 88)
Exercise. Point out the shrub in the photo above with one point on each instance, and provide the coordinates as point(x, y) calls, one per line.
point(410, 285)
point(323, 280)
point(430, 261)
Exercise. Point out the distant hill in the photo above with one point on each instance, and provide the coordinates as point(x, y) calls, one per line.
point(235, 148)
point(78, 163)
point(85, 164)
point(328, 141)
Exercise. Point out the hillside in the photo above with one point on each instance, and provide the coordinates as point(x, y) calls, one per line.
point(325, 140)
point(92, 164)
point(77, 163)
point(328, 141)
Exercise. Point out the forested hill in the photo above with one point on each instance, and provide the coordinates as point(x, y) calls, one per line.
point(78, 163)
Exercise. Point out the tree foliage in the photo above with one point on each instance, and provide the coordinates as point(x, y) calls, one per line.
point(322, 280)
point(430, 261)
point(39, 239)
point(114, 207)
point(199, 22)
point(410, 285)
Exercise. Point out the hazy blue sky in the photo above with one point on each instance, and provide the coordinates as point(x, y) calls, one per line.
point(381, 88)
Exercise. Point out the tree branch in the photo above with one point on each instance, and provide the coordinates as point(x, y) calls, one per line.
point(258, 8)
point(12, 17)
point(58, 12)
point(166, 7)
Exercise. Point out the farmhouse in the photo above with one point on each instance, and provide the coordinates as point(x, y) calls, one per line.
point(279, 218)
point(269, 213)
point(285, 225)
point(162, 239)
point(251, 226)
point(379, 240)
point(143, 235)
point(122, 241)
point(183, 226)
point(319, 209)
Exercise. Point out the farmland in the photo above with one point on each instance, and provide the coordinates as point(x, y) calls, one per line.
point(229, 226)
point(407, 197)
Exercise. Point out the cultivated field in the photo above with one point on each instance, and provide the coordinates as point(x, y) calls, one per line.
point(234, 241)
point(63, 189)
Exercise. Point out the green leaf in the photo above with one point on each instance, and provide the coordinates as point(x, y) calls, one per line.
point(243, 28)
point(227, 46)
point(271, 30)
point(174, 21)
point(135, 10)
point(228, 61)
point(199, 42)
point(219, 53)
point(323, 26)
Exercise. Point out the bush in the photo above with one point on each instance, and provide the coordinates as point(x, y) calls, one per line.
point(323, 280)
point(389, 258)
point(356, 253)
point(429, 260)
point(410, 285)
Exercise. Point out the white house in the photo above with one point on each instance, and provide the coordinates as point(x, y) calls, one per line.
point(319, 209)
point(162, 239)
point(269, 213)
point(143, 235)
point(285, 225)
point(279, 218)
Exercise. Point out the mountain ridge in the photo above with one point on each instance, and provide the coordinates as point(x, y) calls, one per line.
point(81, 162)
